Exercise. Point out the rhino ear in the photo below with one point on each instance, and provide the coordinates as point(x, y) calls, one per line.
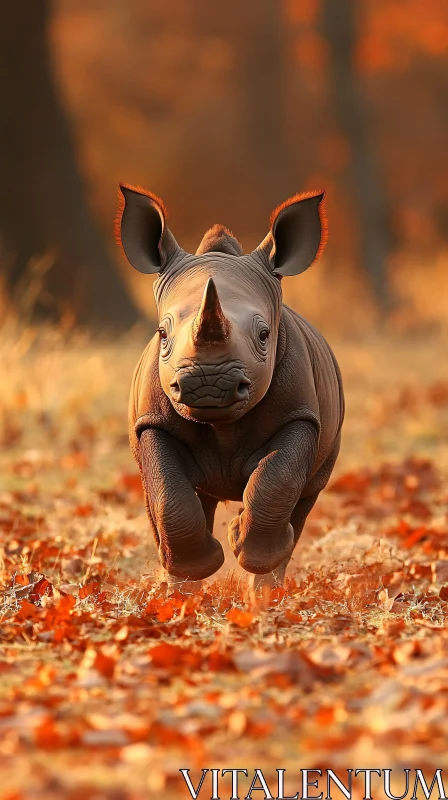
point(298, 234)
point(141, 229)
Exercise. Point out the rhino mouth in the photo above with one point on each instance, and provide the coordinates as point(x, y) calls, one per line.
point(210, 401)
point(210, 386)
point(211, 414)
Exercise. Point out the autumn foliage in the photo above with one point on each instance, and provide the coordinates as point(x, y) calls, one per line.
point(111, 679)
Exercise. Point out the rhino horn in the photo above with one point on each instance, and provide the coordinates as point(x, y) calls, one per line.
point(210, 325)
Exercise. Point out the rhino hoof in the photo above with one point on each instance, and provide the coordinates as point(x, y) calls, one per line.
point(260, 555)
point(206, 562)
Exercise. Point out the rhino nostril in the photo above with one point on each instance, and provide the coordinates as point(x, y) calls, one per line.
point(242, 389)
point(175, 388)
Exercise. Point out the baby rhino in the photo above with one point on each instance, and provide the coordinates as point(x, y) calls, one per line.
point(236, 397)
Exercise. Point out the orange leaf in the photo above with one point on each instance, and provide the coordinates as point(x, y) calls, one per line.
point(65, 605)
point(352, 482)
point(218, 661)
point(85, 510)
point(21, 580)
point(39, 589)
point(105, 663)
point(293, 617)
point(241, 618)
point(172, 656)
point(414, 537)
point(325, 716)
point(27, 611)
point(166, 612)
point(88, 590)
point(131, 482)
point(46, 735)
point(443, 594)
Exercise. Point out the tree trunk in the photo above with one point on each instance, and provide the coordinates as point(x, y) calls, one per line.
point(43, 208)
point(263, 55)
point(256, 32)
point(339, 28)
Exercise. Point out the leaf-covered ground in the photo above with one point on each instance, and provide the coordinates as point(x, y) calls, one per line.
point(110, 681)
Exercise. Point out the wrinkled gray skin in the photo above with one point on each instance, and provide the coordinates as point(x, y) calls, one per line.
point(236, 397)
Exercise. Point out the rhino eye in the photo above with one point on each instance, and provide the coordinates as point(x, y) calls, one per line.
point(165, 335)
point(261, 334)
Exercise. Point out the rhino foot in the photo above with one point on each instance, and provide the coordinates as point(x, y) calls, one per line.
point(193, 566)
point(260, 554)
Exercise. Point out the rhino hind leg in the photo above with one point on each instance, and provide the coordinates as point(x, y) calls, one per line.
point(209, 504)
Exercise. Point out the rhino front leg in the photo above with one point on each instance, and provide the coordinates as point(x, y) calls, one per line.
point(262, 537)
point(186, 547)
point(298, 518)
point(192, 587)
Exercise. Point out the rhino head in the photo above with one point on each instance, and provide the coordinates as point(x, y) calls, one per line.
point(219, 310)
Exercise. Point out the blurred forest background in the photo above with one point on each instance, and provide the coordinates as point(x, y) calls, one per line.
point(224, 109)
